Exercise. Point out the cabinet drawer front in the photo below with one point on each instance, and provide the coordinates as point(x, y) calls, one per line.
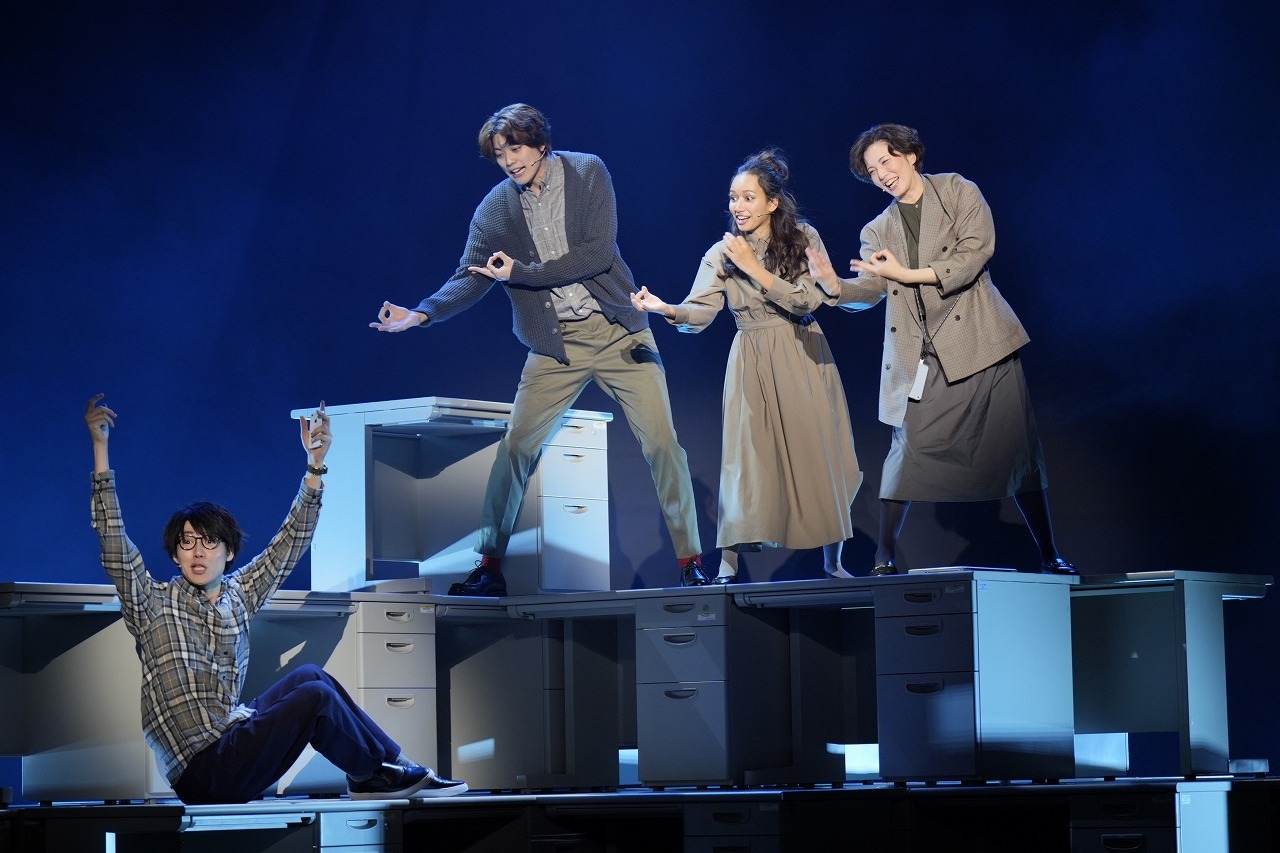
point(348, 829)
point(397, 660)
point(575, 545)
point(408, 717)
point(681, 611)
point(911, 599)
point(575, 472)
point(928, 726)
point(731, 819)
point(680, 654)
point(579, 432)
point(936, 643)
point(396, 617)
point(682, 732)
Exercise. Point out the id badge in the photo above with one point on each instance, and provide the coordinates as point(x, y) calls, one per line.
point(917, 387)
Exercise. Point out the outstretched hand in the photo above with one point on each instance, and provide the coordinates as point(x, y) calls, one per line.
point(884, 264)
point(646, 301)
point(99, 419)
point(394, 318)
point(821, 271)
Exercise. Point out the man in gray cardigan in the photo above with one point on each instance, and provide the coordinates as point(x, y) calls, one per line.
point(548, 234)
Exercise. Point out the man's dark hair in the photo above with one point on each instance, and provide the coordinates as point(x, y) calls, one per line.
point(207, 519)
point(900, 139)
point(519, 124)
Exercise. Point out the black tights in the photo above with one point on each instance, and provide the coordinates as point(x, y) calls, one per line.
point(1034, 507)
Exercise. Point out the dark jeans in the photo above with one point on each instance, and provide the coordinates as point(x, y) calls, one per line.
point(306, 706)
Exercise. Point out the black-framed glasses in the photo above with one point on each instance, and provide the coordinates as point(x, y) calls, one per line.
point(187, 541)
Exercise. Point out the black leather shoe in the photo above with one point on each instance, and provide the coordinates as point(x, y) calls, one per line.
point(1058, 566)
point(397, 782)
point(724, 579)
point(885, 568)
point(481, 581)
point(691, 573)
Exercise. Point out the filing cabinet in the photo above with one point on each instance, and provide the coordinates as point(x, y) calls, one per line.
point(712, 690)
point(573, 495)
point(396, 679)
point(973, 677)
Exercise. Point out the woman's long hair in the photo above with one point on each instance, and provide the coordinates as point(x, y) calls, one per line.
point(785, 256)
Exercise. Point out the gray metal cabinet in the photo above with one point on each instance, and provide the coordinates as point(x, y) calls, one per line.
point(974, 676)
point(712, 690)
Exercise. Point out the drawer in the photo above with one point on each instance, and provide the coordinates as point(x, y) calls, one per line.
point(679, 612)
point(1149, 839)
point(395, 617)
point(579, 432)
point(911, 599)
point(681, 654)
point(731, 844)
point(575, 545)
point(408, 716)
point(575, 472)
point(682, 732)
point(368, 828)
point(1123, 810)
point(397, 660)
point(928, 726)
point(926, 643)
point(725, 819)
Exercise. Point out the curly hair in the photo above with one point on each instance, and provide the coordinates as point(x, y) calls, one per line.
point(900, 139)
point(520, 124)
point(785, 256)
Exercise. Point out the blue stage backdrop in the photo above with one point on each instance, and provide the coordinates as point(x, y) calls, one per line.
point(204, 204)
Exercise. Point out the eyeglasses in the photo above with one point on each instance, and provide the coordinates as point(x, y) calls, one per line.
point(187, 541)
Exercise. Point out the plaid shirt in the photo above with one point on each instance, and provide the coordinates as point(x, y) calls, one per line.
point(194, 652)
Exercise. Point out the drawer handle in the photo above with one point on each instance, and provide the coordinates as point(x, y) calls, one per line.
point(1127, 842)
point(400, 701)
point(400, 648)
point(574, 509)
point(366, 824)
point(923, 630)
point(398, 615)
point(920, 597)
point(679, 639)
point(574, 457)
point(925, 688)
point(682, 607)
point(681, 693)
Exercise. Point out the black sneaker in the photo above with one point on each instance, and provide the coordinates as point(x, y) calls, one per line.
point(395, 782)
point(481, 581)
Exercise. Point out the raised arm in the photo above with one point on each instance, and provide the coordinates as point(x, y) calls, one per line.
point(99, 419)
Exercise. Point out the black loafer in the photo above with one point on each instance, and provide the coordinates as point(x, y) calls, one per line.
point(724, 579)
point(1058, 566)
point(885, 568)
point(691, 573)
point(481, 581)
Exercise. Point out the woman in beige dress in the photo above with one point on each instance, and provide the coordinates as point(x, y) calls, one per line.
point(789, 472)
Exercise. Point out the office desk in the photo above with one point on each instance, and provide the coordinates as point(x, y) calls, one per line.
point(1150, 657)
point(72, 683)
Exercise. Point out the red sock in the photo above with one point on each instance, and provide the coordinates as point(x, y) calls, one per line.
point(684, 561)
point(493, 564)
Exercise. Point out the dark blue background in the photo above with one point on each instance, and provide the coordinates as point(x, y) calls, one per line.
point(204, 204)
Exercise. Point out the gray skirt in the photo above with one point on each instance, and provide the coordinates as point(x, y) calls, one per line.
point(972, 440)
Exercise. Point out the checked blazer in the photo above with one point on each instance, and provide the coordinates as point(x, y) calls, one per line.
point(971, 324)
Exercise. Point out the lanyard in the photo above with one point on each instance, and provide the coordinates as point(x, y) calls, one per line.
point(924, 323)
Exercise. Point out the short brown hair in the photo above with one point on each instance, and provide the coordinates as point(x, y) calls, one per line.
point(520, 124)
point(900, 139)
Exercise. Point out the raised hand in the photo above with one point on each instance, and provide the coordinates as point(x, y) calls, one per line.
point(99, 419)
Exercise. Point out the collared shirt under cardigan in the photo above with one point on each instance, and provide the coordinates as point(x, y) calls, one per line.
point(591, 224)
point(194, 652)
point(971, 324)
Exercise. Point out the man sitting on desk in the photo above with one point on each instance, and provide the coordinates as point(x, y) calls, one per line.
point(192, 636)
